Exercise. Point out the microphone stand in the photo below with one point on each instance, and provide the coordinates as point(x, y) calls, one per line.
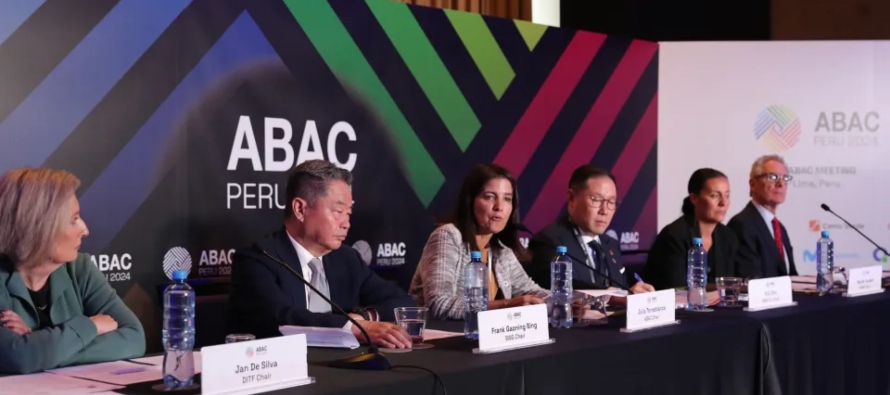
point(373, 359)
point(826, 208)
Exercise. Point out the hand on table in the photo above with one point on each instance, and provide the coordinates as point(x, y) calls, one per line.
point(383, 334)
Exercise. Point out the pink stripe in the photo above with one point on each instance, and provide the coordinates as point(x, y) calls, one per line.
point(646, 222)
point(591, 133)
point(637, 149)
point(548, 102)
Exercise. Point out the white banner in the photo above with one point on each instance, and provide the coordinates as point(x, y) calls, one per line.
point(722, 104)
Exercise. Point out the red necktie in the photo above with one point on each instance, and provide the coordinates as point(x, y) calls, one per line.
point(777, 231)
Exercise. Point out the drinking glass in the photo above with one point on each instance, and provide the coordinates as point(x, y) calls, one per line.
point(413, 320)
point(729, 289)
point(239, 337)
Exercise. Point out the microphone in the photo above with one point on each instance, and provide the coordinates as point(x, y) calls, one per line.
point(371, 360)
point(826, 208)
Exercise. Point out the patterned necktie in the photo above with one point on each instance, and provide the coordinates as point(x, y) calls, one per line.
point(599, 257)
point(320, 282)
point(777, 231)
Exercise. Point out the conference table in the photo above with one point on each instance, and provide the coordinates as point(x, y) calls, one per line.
point(824, 345)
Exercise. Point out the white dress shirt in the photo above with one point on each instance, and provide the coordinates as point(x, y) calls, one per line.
point(305, 256)
point(768, 217)
point(587, 239)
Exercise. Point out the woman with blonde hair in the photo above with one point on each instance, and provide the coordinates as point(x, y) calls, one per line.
point(56, 307)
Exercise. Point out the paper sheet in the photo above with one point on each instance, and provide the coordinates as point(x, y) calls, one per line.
point(55, 384)
point(323, 337)
point(158, 360)
point(602, 292)
point(118, 372)
point(432, 334)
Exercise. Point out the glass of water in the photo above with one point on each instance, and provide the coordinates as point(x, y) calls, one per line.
point(729, 289)
point(413, 320)
point(239, 337)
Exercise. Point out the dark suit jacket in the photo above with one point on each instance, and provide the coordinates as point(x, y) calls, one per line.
point(543, 248)
point(666, 264)
point(757, 248)
point(266, 295)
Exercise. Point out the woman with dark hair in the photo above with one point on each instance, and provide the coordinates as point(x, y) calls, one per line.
point(484, 220)
point(703, 213)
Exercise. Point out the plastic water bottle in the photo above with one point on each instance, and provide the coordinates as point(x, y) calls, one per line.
point(561, 289)
point(475, 293)
point(824, 263)
point(697, 275)
point(179, 332)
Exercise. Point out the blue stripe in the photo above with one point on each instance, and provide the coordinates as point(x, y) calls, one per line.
point(131, 177)
point(65, 97)
point(13, 13)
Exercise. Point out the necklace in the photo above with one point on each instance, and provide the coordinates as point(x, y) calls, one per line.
point(42, 307)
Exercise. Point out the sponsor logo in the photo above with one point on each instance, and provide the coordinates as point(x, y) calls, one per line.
point(364, 251)
point(810, 256)
point(818, 226)
point(879, 256)
point(115, 267)
point(777, 127)
point(177, 258)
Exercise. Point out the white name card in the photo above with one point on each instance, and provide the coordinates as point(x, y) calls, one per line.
point(651, 310)
point(769, 293)
point(516, 327)
point(255, 366)
point(865, 281)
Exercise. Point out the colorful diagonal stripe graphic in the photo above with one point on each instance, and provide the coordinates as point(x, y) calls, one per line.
point(343, 56)
point(15, 12)
point(428, 69)
point(484, 49)
point(778, 127)
point(531, 32)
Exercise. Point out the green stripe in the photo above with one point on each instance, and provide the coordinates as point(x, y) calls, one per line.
point(343, 56)
point(428, 69)
point(489, 58)
point(531, 32)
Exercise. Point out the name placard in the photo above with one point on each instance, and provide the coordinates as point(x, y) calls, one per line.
point(864, 281)
point(651, 310)
point(769, 293)
point(255, 366)
point(516, 327)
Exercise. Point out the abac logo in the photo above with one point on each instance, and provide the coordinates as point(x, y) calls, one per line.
point(249, 352)
point(177, 258)
point(778, 127)
point(364, 251)
point(879, 256)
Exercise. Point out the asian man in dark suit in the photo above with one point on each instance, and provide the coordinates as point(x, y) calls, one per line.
point(596, 258)
point(266, 295)
point(764, 245)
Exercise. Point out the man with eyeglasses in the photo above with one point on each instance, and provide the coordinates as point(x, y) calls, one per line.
point(764, 246)
point(592, 200)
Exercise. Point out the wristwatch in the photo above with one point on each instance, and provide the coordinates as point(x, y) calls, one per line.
point(362, 312)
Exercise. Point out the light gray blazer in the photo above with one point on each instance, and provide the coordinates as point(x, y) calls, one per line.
point(438, 283)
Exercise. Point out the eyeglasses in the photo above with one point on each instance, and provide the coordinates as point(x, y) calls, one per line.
point(773, 177)
point(597, 202)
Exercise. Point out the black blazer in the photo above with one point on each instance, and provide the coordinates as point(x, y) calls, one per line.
point(543, 249)
point(666, 263)
point(266, 295)
point(757, 248)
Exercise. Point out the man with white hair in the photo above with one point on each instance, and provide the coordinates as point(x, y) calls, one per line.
point(764, 246)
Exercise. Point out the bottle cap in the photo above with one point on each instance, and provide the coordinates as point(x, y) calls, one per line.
point(825, 233)
point(179, 275)
point(696, 241)
point(475, 255)
point(561, 250)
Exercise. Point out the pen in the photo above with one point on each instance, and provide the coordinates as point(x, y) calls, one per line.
point(127, 371)
point(637, 276)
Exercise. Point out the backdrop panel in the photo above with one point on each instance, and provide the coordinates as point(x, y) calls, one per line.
point(821, 105)
point(182, 118)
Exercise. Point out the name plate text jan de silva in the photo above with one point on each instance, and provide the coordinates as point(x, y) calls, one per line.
point(255, 366)
point(651, 310)
point(769, 293)
point(516, 327)
point(865, 281)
